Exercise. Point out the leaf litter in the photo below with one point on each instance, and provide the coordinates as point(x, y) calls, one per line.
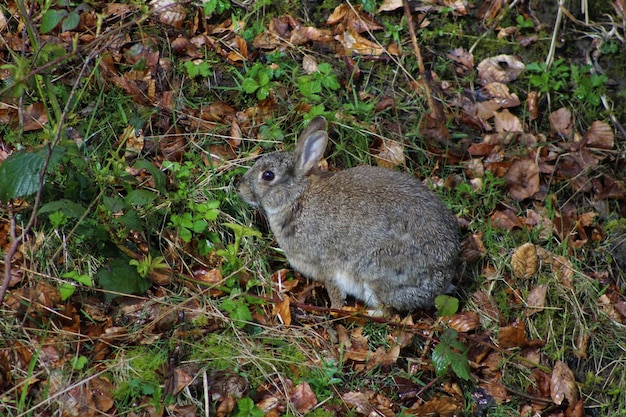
point(508, 148)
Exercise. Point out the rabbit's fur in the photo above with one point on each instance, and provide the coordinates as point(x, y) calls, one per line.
point(373, 233)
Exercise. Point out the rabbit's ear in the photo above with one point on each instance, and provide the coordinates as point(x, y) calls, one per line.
point(310, 150)
point(318, 123)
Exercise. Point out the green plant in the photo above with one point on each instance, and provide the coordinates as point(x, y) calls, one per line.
point(324, 376)
point(200, 68)
point(216, 6)
point(563, 79)
point(451, 353)
point(247, 408)
point(257, 79)
point(311, 85)
point(149, 264)
point(67, 289)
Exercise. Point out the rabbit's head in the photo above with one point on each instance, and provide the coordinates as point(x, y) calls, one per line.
point(279, 178)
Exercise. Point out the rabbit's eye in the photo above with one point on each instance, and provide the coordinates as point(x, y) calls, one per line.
point(267, 176)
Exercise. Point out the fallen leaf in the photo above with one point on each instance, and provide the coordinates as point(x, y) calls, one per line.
point(536, 299)
point(501, 68)
point(513, 335)
point(522, 179)
point(563, 384)
point(464, 322)
point(461, 56)
point(506, 122)
point(388, 153)
point(303, 398)
point(600, 135)
point(506, 219)
point(562, 122)
point(283, 312)
point(524, 261)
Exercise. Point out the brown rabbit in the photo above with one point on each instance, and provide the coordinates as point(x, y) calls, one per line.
point(373, 233)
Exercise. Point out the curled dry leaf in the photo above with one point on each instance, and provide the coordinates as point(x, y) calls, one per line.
point(524, 262)
point(522, 179)
point(532, 105)
point(283, 312)
point(561, 121)
point(536, 299)
point(390, 5)
point(389, 153)
point(353, 42)
point(309, 64)
point(501, 68)
point(563, 384)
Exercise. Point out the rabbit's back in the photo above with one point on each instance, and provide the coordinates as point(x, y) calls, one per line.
point(377, 234)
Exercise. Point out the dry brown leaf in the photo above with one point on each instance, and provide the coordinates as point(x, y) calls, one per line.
point(562, 122)
point(359, 401)
point(490, 9)
point(563, 384)
point(35, 117)
point(282, 310)
point(487, 306)
point(505, 122)
point(564, 270)
point(532, 105)
point(465, 321)
point(513, 335)
point(501, 68)
point(303, 398)
point(497, 391)
point(536, 299)
point(500, 94)
point(389, 153)
point(506, 219)
point(355, 43)
point(169, 12)
point(309, 64)
point(600, 135)
point(524, 261)
point(390, 5)
point(472, 248)
point(522, 179)
point(442, 406)
point(461, 56)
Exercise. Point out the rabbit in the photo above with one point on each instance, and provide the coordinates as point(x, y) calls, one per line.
point(376, 234)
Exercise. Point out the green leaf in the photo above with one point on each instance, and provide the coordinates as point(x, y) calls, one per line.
point(19, 173)
point(67, 207)
point(441, 358)
point(262, 93)
point(79, 362)
point(114, 204)
point(243, 231)
point(461, 367)
point(70, 22)
point(249, 85)
point(446, 305)
point(66, 290)
point(140, 197)
point(51, 19)
point(264, 78)
point(237, 311)
point(120, 277)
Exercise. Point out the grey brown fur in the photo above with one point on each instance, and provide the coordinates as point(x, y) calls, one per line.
point(373, 233)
